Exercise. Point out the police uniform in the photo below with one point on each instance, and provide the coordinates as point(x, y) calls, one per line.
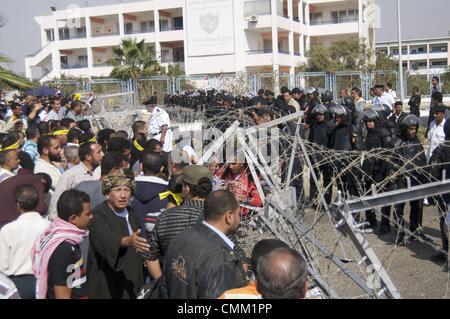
point(159, 118)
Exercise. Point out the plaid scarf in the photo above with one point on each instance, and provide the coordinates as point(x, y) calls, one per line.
point(57, 232)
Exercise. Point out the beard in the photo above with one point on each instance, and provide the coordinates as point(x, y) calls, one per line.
point(54, 158)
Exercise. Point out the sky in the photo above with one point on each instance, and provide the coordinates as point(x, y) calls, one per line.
point(20, 36)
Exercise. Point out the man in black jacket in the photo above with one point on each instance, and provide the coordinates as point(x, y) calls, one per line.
point(201, 262)
point(412, 161)
point(414, 102)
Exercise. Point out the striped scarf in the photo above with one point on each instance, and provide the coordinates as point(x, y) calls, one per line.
point(57, 232)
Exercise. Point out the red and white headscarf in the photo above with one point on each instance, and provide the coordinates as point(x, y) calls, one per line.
point(56, 233)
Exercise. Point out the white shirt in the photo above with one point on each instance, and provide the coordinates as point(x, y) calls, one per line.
point(52, 115)
point(436, 136)
point(16, 242)
point(160, 118)
point(393, 94)
point(221, 235)
point(42, 166)
point(386, 98)
point(68, 180)
point(5, 174)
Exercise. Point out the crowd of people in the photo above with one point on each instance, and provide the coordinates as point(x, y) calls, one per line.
point(101, 214)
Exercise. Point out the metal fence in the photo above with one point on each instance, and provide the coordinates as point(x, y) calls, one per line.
point(241, 83)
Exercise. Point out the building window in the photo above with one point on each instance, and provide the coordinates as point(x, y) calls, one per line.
point(64, 34)
point(315, 18)
point(128, 28)
point(144, 27)
point(82, 60)
point(178, 55)
point(64, 61)
point(164, 25)
point(50, 35)
point(151, 26)
point(81, 32)
point(165, 54)
point(178, 23)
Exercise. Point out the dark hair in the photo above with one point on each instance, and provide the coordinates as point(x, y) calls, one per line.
point(27, 197)
point(84, 125)
point(281, 274)
point(25, 161)
point(138, 125)
point(14, 105)
point(357, 91)
point(4, 156)
point(262, 248)
point(436, 78)
point(152, 163)
point(260, 91)
point(53, 101)
point(10, 139)
point(437, 96)
point(151, 144)
point(43, 128)
point(74, 134)
point(45, 141)
point(389, 85)
point(112, 160)
point(48, 181)
point(85, 137)
point(65, 122)
point(71, 203)
point(416, 89)
point(104, 135)
point(74, 104)
point(32, 132)
point(284, 89)
point(118, 144)
point(398, 103)
point(85, 150)
point(218, 203)
point(53, 124)
point(122, 134)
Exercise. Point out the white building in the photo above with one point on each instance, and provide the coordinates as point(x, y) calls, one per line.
point(422, 56)
point(205, 37)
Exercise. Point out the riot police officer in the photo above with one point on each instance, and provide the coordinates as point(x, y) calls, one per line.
point(320, 134)
point(343, 140)
point(412, 161)
point(375, 168)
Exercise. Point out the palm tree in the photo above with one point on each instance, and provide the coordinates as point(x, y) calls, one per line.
point(133, 59)
point(8, 78)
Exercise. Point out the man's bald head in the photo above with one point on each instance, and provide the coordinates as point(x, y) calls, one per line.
point(282, 275)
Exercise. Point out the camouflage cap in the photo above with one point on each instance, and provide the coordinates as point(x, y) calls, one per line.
point(121, 177)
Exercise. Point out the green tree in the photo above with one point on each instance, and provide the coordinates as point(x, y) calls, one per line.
point(9, 79)
point(346, 55)
point(133, 60)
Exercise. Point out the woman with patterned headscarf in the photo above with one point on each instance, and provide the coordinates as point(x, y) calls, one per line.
point(115, 266)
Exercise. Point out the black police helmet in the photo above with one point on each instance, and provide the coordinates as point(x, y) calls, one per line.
point(320, 109)
point(349, 102)
point(327, 96)
point(371, 115)
point(409, 120)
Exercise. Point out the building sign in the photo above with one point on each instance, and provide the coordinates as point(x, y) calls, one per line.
point(210, 27)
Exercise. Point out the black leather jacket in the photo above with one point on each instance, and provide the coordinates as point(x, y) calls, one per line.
point(200, 265)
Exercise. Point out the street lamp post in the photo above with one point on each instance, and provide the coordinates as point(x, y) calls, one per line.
point(400, 57)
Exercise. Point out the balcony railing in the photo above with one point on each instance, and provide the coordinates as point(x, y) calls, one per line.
point(74, 66)
point(171, 60)
point(340, 21)
point(141, 31)
point(438, 66)
point(438, 51)
point(72, 37)
point(106, 34)
point(177, 28)
point(264, 51)
point(103, 64)
point(37, 52)
point(259, 51)
point(297, 54)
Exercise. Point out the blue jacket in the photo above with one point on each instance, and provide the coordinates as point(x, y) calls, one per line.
point(146, 202)
point(31, 149)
